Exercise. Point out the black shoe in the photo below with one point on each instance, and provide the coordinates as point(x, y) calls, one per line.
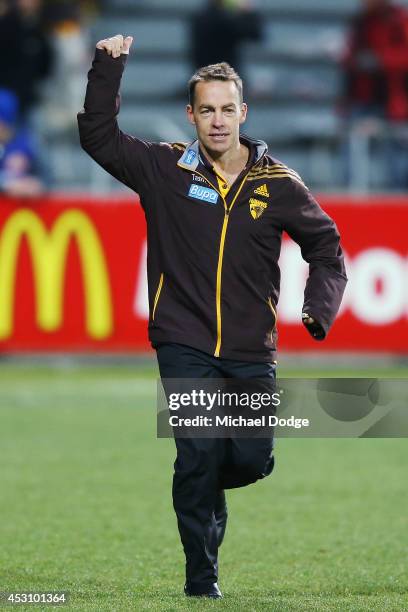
point(212, 591)
point(221, 515)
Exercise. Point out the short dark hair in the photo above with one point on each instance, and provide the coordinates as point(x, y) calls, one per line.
point(214, 72)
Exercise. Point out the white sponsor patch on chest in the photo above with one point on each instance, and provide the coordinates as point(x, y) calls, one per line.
point(203, 193)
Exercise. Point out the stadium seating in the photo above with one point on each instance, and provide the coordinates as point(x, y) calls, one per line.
point(293, 78)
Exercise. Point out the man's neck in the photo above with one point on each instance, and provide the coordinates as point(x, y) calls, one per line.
point(232, 161)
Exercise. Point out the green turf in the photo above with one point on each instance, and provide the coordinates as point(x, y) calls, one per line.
point(85, 506)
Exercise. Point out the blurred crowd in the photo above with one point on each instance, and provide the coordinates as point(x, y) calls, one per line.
point(45, 52)
point(44, 57)
point(227, 24)
point(375, 98)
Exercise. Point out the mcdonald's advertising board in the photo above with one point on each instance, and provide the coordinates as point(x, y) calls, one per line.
point(73, 278)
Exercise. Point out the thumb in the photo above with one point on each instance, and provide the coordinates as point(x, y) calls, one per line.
point(307, 320)
point(127, 43)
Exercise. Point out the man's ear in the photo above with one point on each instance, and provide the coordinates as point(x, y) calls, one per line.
point(244, 112)
point(190, 114)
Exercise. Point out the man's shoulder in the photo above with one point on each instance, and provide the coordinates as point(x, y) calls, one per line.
point(175, 149)
point(166, 154)
point(272, 169)
point(178, 146)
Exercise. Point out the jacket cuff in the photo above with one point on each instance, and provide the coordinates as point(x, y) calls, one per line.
point(114, 62)
point(317, 330)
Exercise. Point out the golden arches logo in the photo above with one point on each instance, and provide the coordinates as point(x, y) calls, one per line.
point(49, 250)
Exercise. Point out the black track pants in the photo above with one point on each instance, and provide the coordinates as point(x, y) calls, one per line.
point(205, 465)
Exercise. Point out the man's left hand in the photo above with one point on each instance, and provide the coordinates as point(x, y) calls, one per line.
point(313, 327)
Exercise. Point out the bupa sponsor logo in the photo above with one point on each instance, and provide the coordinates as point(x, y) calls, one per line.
point(203, 193)
point(190, 157)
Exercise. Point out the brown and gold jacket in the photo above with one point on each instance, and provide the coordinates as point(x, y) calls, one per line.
point(213, 252)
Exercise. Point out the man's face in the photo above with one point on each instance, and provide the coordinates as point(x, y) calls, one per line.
point(217, 115)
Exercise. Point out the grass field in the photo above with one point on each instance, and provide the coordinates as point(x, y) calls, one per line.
point(85, 506)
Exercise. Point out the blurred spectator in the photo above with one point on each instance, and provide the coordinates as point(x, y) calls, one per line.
point(219, 30)
point(64, 94)
point(376, 90)
point(377, 60)
point(25, 53)
point(17, 155)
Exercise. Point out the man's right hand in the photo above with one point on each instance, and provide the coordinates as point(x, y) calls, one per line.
point(116, 45)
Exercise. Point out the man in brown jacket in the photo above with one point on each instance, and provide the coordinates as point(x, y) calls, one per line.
point(215, 209)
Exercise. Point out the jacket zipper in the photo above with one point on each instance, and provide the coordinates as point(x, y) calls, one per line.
point(219, 267)
point(156, 297)
point(220, 258)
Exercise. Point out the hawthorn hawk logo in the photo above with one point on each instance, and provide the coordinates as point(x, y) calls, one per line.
point(257, 207)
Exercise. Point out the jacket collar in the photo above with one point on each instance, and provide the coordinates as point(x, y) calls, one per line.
point(191, 157)
point(258, 148)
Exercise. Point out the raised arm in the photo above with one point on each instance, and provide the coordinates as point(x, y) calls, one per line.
point(125, 157)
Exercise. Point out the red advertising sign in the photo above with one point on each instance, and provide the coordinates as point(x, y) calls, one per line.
point(373, 315)
point(72, 277)
point(69, 275)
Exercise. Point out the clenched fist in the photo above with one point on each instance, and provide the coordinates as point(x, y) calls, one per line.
point(116, 45)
